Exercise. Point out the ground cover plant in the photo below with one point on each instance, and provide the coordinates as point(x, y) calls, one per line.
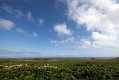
point(59, 70)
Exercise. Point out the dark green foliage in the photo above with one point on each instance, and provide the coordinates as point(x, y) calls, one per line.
point(91, 70)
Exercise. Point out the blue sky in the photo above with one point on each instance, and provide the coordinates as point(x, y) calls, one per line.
point(64, 28)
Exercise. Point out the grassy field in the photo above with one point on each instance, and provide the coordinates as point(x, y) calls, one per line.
point(67, 69)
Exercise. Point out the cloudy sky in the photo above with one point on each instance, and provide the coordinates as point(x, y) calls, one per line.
point(53, 28)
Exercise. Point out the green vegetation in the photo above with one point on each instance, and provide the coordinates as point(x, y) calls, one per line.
point(59, 70)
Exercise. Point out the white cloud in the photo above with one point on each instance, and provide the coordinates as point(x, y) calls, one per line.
point(63, 42)
point(40, 21)
point(7, 8)
point(29, 16)
point(67, 43)
point(103, 40)
point(26, 32)
point(62, 29)
point(101, 18)
point(6, 24)
point(85, 44)
point(21, 30)
point(18, 13)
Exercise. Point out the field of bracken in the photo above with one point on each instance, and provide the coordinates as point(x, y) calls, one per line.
point(59, 70)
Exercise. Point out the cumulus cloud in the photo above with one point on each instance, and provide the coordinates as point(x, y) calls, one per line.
point(100, 17)
point(6, 24)
point(62, 29)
